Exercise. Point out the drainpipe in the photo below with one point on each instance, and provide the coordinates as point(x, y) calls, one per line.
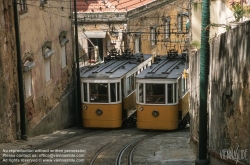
point(79, 104)
point(20, 75)
point(204, 71)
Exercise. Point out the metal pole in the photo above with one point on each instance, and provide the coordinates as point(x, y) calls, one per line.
point(78, 88)
point(20, 74)
point(204, 71)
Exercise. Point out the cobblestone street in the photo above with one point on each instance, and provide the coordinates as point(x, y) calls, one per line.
point(81, 146)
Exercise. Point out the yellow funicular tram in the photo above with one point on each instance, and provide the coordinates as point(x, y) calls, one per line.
point(108, 89)
point(162, 93)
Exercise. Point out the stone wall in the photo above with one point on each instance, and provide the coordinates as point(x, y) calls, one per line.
point(8, 74)
point(229, 95)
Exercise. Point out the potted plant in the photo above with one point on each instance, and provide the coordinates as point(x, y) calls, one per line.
point(239, 9)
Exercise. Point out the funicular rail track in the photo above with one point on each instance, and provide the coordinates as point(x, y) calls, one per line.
point(125, 154)
point(60, 143)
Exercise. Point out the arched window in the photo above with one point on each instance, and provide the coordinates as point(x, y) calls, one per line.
point(28, 64)
point(47, 53)
point(182, 18)
point(153, 35)
point(63, 40)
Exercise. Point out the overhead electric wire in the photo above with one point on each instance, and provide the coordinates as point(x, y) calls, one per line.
point(49, 11)
point(88, 2)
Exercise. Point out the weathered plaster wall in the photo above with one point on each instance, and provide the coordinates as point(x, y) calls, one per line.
point(62, 116)
point(38, 25)
point(194, 79)
point(219, 14)
point(229, 94)
point(230, 90)
point(8, 74)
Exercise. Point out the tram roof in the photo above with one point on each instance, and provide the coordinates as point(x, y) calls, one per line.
point(114, 68)
point(165, 68)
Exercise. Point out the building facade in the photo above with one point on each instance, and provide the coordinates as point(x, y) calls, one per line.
point(160, 27)
point(48, 68)
point(152, 27)
point(48, 61)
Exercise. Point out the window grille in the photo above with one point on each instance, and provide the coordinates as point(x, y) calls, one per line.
point(22, 7)
point(153, 35)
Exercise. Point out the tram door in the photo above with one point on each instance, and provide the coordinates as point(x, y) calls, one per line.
point(124, 113)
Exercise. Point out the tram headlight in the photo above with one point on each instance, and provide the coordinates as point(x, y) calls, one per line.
point(84, 107)
point(155, 113)
point(98, 112)
point(140, 108)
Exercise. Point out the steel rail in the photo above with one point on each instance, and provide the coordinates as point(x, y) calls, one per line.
point(98, 153)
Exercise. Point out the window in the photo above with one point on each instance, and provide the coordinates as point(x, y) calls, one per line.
point(172, 93)
point(42, 2)
point(22, 7)
point(47, 69)
point(47, 53)
point(112, 92)
point(118, 92)
point(140, 94)
point(28, 84)
point(63, 56)
point(137, 43)
point(28, 64)
point(63, 40)
point(155, 93)
point(175, 93)
point(167, 28)
point(184, 85)
point(85, 91)
point(180, 22)
point(153, 35)
point(130, 84)
point(99, 92)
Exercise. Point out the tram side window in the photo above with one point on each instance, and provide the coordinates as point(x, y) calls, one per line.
point(98, 92)
point(175, 93)
point(112, 92)
point(155, 93)
point(184, 85)
point(130, 84)
point(118, 92)
point(141, 93)
point(85, 95)
point(172, 93)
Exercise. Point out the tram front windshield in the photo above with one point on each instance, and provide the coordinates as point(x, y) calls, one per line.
point(101, 92)
point(98, 92)
point(155, 93)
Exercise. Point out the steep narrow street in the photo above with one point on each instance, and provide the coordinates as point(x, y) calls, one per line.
point(102, 147)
